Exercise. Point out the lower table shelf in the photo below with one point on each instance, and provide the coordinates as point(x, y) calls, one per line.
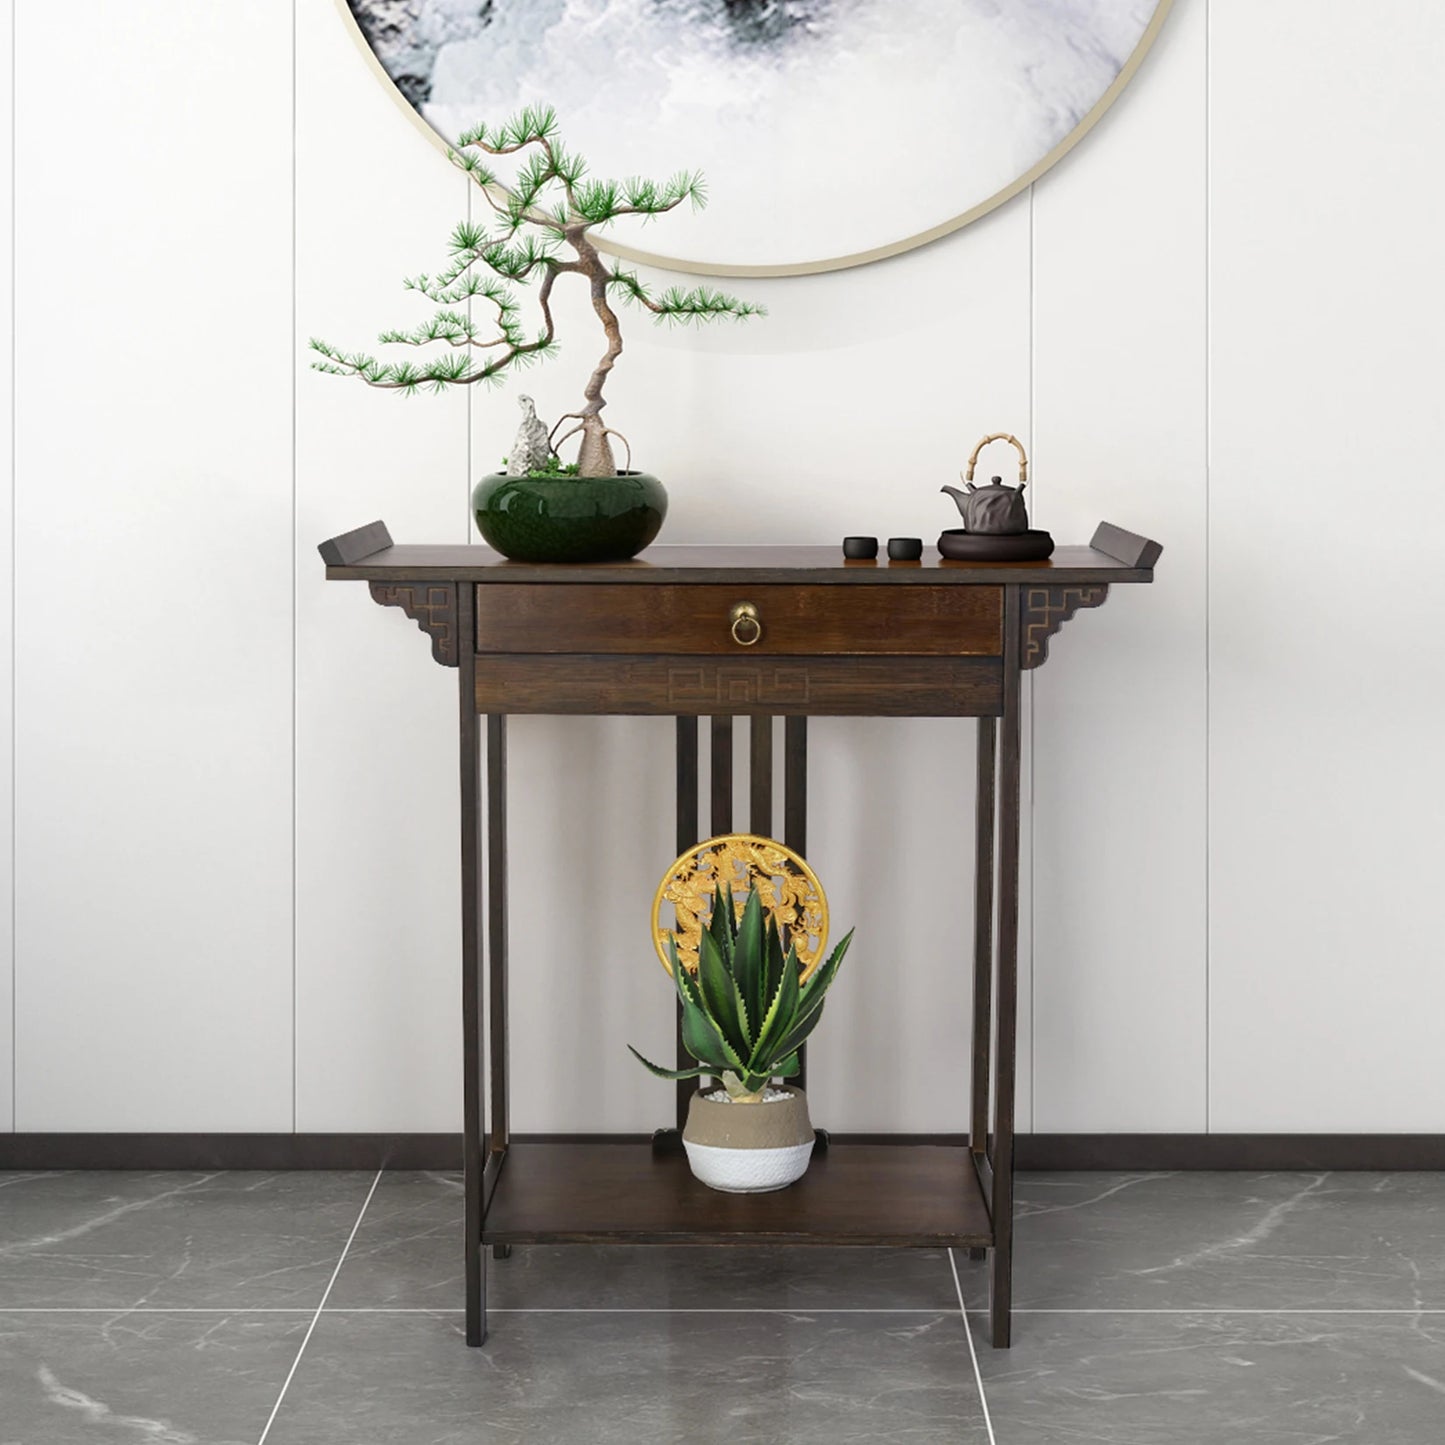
point(853, 1194)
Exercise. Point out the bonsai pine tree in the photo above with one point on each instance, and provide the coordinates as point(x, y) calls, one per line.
point(541, 226)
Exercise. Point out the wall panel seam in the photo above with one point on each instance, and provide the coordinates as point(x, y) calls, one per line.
point(467, 480)
point(1208, 576)
point(14, 771)
point(295, 569)
point(1032, 710)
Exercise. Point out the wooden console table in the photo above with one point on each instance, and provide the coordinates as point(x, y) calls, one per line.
point(667, 634)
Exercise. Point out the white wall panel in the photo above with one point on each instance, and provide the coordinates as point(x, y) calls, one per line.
point(1119, 716)
point(592, 828)
point(153, 632)
point(756, 430)
point(1328, 674)
point(378, 931)
point(167, 584)
point(7, 631)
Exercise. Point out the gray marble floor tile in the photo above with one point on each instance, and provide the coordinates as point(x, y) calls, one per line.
point(408, 1253)
point(1226, 1240)
point(596, 1379)
point(124, 1379)
point(1220, 1379)
point(129, 1238)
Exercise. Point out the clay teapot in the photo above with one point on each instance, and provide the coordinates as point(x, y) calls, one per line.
point(994, 510)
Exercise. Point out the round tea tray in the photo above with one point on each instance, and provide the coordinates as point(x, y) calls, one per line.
point(964, 546)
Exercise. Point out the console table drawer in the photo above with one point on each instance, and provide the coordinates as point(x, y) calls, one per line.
point(743, 620)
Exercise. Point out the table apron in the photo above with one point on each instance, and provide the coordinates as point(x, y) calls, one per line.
point(681, 686)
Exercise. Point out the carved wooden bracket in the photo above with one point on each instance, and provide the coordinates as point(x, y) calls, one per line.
point(433, 607)
point(1045, 610)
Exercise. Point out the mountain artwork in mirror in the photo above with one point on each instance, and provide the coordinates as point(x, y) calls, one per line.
point(832, 132)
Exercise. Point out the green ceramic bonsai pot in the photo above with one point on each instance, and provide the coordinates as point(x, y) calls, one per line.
point(569, 518)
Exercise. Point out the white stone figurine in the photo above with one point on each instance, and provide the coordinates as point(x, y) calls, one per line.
point(531, 449)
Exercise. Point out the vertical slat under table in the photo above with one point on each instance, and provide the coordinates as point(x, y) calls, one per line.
point(686, 836)
point(472, 1058)
point(721, 787)
point(760, 775)
point(795, 819)
point(1001, 1273)
point(722, 775)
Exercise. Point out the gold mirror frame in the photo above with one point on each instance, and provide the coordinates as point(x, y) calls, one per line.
point(832, 263)
point(749, 863)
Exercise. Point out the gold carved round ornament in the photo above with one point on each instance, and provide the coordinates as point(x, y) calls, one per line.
point(784, 883)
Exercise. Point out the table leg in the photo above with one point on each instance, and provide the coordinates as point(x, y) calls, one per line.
point(985, 821)
point(1006, 1043)
point(985, 826)
point(472, 1060)
point(497, 927)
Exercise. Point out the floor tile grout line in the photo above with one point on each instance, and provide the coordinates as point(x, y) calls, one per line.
point(325, 1295)
point(667, 1310)
point(1218, 1310)
point(981, 1310)
point(972, 1352)
point(872, 1310)
point(155, 1310)
point(496, 1309)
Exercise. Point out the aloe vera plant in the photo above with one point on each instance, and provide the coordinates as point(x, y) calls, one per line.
point(745, 1013)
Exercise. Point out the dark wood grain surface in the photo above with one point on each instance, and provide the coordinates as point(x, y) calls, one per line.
point(732, 565)
point(473, 1061)
point(760, 775)
point(820, 686)
point(721, 775)
point(792, 620)
point(1384, 1153)
point(873, 1194)
point(985, 827)
point(688, 808)
point(1000, 1156)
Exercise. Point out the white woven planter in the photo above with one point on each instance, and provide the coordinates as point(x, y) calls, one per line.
point(748, 1171)
point(748, 1148)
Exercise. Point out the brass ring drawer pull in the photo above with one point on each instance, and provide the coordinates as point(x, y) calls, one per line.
point(746, 628)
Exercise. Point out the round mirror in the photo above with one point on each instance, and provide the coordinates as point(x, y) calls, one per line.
point(830, 132)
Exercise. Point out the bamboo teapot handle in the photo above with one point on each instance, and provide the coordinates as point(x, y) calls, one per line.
point(1000, 436)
